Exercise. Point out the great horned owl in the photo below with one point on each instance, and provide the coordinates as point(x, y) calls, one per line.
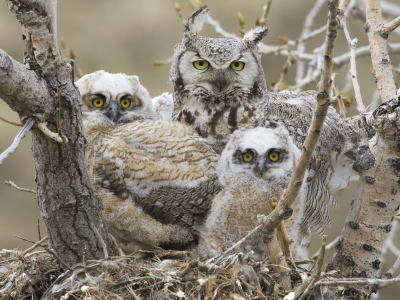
point(219, 86)
point(255, 167)
point(156, 178)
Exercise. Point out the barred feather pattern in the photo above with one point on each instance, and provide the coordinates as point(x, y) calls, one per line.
point(156, 179)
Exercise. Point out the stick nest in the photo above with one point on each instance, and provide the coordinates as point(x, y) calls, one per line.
point(157, 274)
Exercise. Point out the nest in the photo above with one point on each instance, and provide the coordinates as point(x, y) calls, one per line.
point(157, 274)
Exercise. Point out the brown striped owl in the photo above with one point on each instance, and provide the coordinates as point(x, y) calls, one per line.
point(255, 167)
point(219, 86)
point(156, 178)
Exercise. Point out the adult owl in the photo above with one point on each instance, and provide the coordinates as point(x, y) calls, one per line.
point(219, 86)
point(255, 166)
point(156, 178)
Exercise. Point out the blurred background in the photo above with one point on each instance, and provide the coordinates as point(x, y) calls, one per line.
point(127, 36)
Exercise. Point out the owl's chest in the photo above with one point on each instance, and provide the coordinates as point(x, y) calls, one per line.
point(217, 123)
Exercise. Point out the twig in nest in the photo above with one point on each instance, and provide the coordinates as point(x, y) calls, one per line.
point(102, 243)
point(235, 245)
point(12, 123)
point(354, 281)
point(27, 126)
point(328, 247)
point(62, 263)
point(14, 186)
point(308, 283)
point(26, 240)
point(112, 238)
point(124, 283)
point(38, 244)
point(221, 286)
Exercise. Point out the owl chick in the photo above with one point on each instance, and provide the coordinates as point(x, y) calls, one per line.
point(163, 106)
point(156, 178)
point(219, 86)
point(255, 167)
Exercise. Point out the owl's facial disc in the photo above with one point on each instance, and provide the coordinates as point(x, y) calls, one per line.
point(209, 76)
point(113, 109)
point(261, 164)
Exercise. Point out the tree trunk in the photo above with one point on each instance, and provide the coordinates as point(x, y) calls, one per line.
point(67, 201)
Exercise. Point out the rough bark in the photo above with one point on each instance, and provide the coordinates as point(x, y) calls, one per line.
point(377, 200)
point(67, 201)
point(359, 249)
point(379, 52)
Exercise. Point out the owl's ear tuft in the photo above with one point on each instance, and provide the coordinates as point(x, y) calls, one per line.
point(254, 36)
point(195, 23)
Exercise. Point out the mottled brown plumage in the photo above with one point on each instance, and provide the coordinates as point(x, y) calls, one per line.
point(156, 178)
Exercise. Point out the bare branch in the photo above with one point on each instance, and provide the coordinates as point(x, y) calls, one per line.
point(301, 48)
point(12, 123)
point(283, 210)
point(14, 186)
point(379, 53)
point(353, 68)
point(33, 247)
point(27, 126)
point(357, 281)
point(389, 27)
point(54, 136)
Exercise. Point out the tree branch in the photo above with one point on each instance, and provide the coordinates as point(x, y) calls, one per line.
point(379, 53)
point(283, 210)
point(27, 126)
point(67, 201)
point(389, 27)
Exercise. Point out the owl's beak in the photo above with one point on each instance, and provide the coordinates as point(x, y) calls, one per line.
point(113, 113)
point(260, 169)
point(221, 80)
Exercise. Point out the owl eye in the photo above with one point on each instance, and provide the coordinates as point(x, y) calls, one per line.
point(98, 102)
point(247, 157)
point(274, 156)
point(125, 103)
point(237, 65)
point(200, 64)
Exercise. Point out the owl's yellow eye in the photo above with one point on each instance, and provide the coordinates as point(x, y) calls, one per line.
point(237, 65)
point(98, 102)
point(247, 157)
point(200, 64)
point(125, 103)
point(274, 156)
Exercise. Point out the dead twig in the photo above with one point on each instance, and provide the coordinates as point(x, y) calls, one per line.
point(100, 239)
point(17, 140)
point(12, 123)
point(14, 186)
point(37, 244)
point(309, 282)
point(54, 136)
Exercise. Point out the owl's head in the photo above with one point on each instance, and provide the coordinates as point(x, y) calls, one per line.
point(217, 70)
point(258, 154)
point(114, 98)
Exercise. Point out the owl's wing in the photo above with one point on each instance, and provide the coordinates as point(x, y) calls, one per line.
point(165, 167)
point(295, 111)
